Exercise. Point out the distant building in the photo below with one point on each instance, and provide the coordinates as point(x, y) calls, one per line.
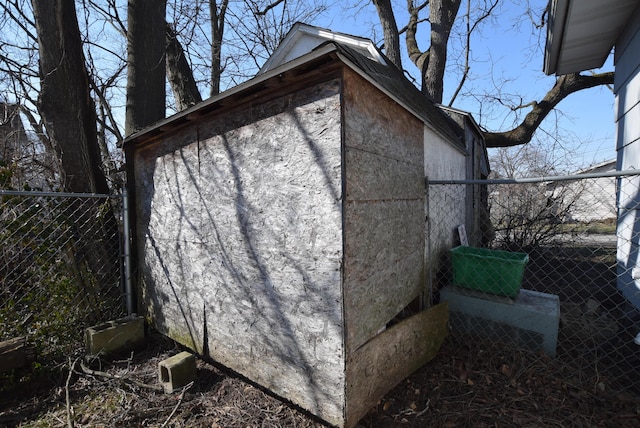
point(588, 199)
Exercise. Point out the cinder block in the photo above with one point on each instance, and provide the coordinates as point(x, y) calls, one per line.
point(531, 320)
point(115, 336)
point(177, 371)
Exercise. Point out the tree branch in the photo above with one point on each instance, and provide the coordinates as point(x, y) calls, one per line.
point(268, 8)
point(390, 30)
point(467, 53)
point(564, 86)
point(419, 58)
point(92, 372)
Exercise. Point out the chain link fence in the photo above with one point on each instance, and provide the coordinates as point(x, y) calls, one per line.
point(578, 240)
point(60, 268)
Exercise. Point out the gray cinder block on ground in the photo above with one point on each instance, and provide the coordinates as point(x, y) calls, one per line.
point(177, 371)
point(531, 320)
point(115, 336)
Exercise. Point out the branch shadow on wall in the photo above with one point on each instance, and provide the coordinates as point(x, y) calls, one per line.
point(242, 246)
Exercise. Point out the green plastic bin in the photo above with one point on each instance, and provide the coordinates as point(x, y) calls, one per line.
point(491, 271)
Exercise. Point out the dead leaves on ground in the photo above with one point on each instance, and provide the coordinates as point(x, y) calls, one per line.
point(467, 386)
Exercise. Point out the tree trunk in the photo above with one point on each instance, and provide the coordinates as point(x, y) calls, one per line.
point(183, 84)
point(65, 103)
point(442, 14)
point(68, 112)
point(217, 32)
point(390, 31)
point(146, 72)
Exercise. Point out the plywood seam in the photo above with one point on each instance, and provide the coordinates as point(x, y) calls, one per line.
point(383, 200)
point(382, 155)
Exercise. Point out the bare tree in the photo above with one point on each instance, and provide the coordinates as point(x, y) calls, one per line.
point(217, 44)
point(183, 84)
point(146, 98)
point(218, 13)
point(390, 31)
point(532, 214)
point(432, 61)
point(564, 86)
point(64, 100)
point(69, 115)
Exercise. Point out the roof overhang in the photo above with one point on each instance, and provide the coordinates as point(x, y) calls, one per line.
point(581, 33)
point(314, 63)
point(295, 69)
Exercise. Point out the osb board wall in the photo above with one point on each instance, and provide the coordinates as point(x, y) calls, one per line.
point(241, 243)
point(379, 365)
point(384, 209)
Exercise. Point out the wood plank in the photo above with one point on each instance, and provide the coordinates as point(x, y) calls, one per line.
point(383, 269)
point(14, 353)
point(387, 359)
point(375, 123)
point(384, 209)
point(370, 176)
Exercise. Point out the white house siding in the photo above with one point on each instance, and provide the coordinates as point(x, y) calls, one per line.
point(590, 199)
point(446, 204)
point(593, 199)
point(627, 90)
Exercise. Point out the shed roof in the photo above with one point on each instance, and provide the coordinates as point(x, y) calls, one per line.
point(392, 81)
point(385, 77)
point(581, 33)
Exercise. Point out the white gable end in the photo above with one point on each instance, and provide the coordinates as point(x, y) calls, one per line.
point(303, 38)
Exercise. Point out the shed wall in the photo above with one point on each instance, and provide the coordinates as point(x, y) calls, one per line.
point(240, 232)
point(627, 90)
point(383, 209)
point(446, 204)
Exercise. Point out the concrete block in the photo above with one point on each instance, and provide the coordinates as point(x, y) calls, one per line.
point(177, 371)
point(531, 320)
point(115, 336)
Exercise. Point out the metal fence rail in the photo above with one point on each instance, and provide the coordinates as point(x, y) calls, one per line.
point(60, 267)
point(574, 231)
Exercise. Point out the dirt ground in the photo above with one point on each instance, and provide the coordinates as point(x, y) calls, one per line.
point(464, 386)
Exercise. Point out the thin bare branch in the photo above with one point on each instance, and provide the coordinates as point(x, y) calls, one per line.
point(269, 7)
point(21, 20)
point(467, 54)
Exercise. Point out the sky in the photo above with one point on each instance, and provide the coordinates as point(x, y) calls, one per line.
point(507, 52)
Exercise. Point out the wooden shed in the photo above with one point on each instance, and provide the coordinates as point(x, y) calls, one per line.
point(280, 228)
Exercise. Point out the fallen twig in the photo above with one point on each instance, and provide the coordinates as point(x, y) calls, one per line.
point(92, 372)
point(69, 411)
point(186, 387)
